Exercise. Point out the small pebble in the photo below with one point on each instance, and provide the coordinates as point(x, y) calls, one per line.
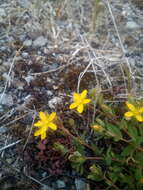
point(40, 41)
point(27, 43)
point(61, 184)
point(80, 184)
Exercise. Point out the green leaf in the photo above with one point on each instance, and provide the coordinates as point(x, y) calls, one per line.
point(139, 157)
point(139, 141)
point(138, 173)
point(98, 151)
point(96, 173)
point(106, 109)
point(108, 157)
point(60, 147)
point(133, 132)
point(79, 147)
point(123, 124)
point(128, 150)
point(114, 131)
point(77, 161)
point(100, 122)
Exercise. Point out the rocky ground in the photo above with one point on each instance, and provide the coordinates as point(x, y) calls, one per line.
point(48, 49)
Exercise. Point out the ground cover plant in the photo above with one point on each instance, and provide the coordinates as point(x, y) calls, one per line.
point(115, 146)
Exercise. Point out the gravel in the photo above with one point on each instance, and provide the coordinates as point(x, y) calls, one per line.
point(27, 43)
point(40, 41)
point(80, 184)
point(7, 99)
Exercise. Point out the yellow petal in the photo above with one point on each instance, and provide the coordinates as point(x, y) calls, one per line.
point(43, 136)
point(52, 116)
point(76, 96)
point(73, 105)
point(38, 124)
point(53, 126)
point(80, 108)
point(84, 94)
point(128, 114)
point(130, 106)
point(86, 101)
point(37, 133)
point(139, 118)
point(42, 116)
point(140, 110)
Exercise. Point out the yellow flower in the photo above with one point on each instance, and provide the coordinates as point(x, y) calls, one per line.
point(134, 112)
point(98, 128)
point(79, 100)
point(45, 122)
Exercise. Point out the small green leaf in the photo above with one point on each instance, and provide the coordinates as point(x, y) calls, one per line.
point(79, 147)
point(114, 131)
point(128, 150)
point(123, 124)
point(100, 122)
point(139, 157)
point(71, 122)
point(106, 109)
point(96, 173)
point(108, 157)
point(132, 131)
point(59, 147)
point(77, 161)
point(138, 173)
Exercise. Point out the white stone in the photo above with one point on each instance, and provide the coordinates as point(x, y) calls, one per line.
point(54, 102)
point(132, 25)
point(2, 12)
point(29, 79)
point(40, 41)
point(27, 43)
point(6, 99)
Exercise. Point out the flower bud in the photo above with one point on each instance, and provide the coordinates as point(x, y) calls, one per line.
point(97, 128)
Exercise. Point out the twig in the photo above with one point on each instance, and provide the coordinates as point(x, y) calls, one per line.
point(120, 41)
point(29, 133)
point(10, 145)
point(9, 72)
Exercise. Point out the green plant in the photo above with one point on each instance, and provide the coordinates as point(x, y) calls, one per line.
point(116, 147)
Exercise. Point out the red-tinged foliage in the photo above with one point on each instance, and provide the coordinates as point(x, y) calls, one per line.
point(44, 156)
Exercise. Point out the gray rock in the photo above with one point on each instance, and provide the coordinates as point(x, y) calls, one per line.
point(49, 93)
point(6, 77)
point(2, 69)
point(9, 160)
point(24, 3)
point(27, 43)
point(54, 102)
point(44, 174)
point(25, 55)
point(40, 41)
point(80, 184)
point(29, 79)
point(46, 187)
point(132, 25)
point(19, 84)
point(1, 109)
point(54, 66)
point(2, 12)
point(6, 99)
point(61, 184)
point(3, 130)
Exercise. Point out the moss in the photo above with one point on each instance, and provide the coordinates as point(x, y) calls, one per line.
point(70, 79)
